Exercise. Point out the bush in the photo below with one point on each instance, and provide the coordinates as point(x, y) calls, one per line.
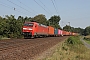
point(85, 38)
point(73, 40)
point(0, 37)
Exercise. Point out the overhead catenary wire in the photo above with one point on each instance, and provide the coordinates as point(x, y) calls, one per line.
point(6, 6)
point(19, 6)
point(15, 8)
point(44, 5)
point(63, 23)
point(10, 7)
point(27, 6)
point(54, 6)
point(41, 6)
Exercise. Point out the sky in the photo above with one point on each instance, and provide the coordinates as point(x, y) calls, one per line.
point(77, 12)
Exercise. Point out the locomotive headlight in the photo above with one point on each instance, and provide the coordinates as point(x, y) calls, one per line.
point(24, 28)
point(29, 29)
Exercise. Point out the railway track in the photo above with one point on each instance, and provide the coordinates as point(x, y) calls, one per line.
point(17, 43)
point(26, 48)
point(14, 44)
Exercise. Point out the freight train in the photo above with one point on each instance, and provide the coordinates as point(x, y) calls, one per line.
point(34, 29)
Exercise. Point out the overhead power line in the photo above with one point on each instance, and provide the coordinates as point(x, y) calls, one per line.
point(19, 6)
point(27, 6)
point(41, 6)
point(54, 6)
point(44, 5)
point(10, 7)
point(6, 6)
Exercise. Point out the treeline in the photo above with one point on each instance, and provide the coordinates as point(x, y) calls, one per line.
point(12, 28)
point(79, 30)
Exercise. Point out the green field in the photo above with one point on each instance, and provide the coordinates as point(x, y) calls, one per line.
point(71, 49)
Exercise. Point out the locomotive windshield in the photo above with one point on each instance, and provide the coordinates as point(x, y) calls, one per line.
point(28, 24)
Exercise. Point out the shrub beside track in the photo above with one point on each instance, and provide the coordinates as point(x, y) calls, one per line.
point(71, 49)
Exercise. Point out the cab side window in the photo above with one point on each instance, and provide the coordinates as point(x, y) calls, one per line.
point(35, 26)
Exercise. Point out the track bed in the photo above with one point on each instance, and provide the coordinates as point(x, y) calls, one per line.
point(26, 49)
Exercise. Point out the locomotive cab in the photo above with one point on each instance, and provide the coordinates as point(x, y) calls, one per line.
point(29, 29)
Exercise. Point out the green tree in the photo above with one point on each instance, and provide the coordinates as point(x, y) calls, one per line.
point(87, 31)
point(12, 27)
point(27, 19)
point(79, 30)
point(4, 27)
point(72, 29)
point(20, 18)
point(54, 21)
point(40, 19)
point(1, 18)
point(67, 28)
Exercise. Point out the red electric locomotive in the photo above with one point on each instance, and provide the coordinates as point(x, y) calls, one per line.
point(34, 29)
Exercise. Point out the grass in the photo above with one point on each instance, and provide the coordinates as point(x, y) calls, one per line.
point(87, 39)
point(71, 49)
point(2, 38)
point(5, 38)
point(87, 36)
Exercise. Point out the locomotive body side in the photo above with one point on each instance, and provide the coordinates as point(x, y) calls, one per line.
point(33, 29)
point(42, 30)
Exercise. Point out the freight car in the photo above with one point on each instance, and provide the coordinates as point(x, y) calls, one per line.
point(60, 32)
point(34, 29)
point(50, 31)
